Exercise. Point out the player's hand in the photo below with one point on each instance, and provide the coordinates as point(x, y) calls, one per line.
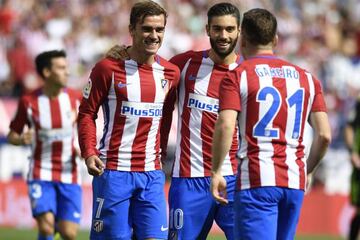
point(94, 165)
point(27, 137)
point(218, 188)
point(355, 160)
point(309, 180)
point(118, 52)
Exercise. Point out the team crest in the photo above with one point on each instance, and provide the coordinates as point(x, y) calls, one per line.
point(98, 225)
point(163, 82)
point(87, 89)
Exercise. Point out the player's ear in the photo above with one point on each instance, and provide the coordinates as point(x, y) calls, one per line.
point(275, 41)
point(46, 72)
point(207, 27)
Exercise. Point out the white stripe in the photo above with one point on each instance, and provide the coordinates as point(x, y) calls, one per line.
point(158, 74)
point(243, 144)
point(67, 121)
point(292, 85)
point(46, 150)
point(201, 88)
point(111, 104)
point(267, 170)
point(131, 123)
point(176, 168)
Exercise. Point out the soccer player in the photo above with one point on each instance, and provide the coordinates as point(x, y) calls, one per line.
point(128, 183)
point(272, 100)
point(53, 179)
point(352, 140)
point(192, 209)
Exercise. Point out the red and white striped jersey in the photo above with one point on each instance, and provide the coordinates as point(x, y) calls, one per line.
point(198, 105)
point(275, 99)
point(54, 122)
point(132, 96)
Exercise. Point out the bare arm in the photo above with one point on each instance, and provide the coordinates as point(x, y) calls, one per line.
point(222, 139)
point(322, 138)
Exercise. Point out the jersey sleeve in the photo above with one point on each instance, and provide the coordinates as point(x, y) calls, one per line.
point(94, 93)
point(229, 97)
point(181, 59)
point(319, 102)
point(20, 118)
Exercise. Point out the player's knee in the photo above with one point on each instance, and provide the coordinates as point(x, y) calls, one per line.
point(68, 234)
point(46, 229)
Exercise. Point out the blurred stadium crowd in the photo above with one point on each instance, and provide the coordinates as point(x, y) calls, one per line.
point(322, 36)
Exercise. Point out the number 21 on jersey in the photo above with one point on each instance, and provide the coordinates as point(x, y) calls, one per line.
point(263, 128)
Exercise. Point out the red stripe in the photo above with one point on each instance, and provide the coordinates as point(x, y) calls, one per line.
point(112, 155)
point(192, 70)
point(279, 145)
point(38, 146)
point(74, 171)
point(148, 93)
point(56, 147)
point(252, 116)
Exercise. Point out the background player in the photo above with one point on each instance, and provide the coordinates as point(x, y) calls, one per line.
point(53, 179)
point(129, 193)
point(272, 99)
point(352, 140)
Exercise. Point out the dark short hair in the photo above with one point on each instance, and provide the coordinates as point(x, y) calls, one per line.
point(222, 9)
point(143, 9)
point(43, 60)
point(259, 26)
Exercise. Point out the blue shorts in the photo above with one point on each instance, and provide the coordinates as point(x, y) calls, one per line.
point(267, 213)
point(193, 210)
point(62, 199)
point(129, 202)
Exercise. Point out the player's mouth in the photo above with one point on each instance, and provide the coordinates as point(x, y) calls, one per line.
point(152, 44)
point(222, 44)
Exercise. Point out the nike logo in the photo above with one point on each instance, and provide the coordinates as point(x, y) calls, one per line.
point(163, 229)
point(122, 85)
point(192, 77)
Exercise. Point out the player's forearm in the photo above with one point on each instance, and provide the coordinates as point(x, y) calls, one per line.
point(87, 135)
point(222, 140)
point(317, 151)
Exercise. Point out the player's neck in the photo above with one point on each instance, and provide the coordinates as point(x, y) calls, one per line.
point(257, 50)
point(140, 57)
point(227, 60)
point(51, 90)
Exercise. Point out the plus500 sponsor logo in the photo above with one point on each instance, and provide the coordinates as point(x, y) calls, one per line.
point(203, 103)
point(141, 109)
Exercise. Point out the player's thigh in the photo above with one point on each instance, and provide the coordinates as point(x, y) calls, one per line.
point(69, 202)
point(224, 216)
point(148, 206)
point(42, 196)
point(256, 213)
point(289, 212)
point(192, 208)
point(46, 223)
point(111, 202)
